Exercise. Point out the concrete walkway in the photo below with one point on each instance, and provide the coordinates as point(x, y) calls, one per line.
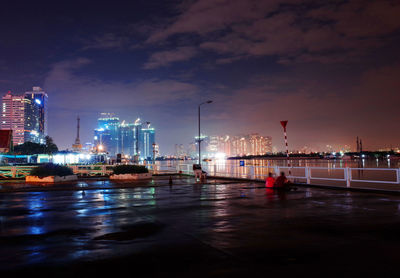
point(221, 229)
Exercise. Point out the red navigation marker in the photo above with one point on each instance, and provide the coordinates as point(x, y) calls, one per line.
point(284, 123)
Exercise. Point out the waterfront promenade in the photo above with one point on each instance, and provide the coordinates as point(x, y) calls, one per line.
point(219, 229)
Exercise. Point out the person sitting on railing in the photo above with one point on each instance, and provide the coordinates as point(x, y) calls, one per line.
point(203, 178)
point(282, 182)
point(269, 182)
point(197, 171)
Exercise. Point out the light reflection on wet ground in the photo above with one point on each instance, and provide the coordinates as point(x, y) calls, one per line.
point(101, 219)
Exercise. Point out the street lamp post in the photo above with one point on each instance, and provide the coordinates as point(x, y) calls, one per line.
point(199, 139)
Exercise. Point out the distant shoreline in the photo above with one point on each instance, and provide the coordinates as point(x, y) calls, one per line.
point(277, 158)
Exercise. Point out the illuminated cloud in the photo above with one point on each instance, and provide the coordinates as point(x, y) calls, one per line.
point(164, 58)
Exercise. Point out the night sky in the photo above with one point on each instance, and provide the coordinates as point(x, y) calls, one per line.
point(332, 69)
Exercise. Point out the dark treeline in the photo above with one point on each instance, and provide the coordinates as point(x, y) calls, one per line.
point(30, 148)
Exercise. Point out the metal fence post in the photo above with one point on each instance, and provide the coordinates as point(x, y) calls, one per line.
point(398, 175)
point(308, 175)
point(215, 169)
point(252, 172)
point(348, 176)
point(103, 170)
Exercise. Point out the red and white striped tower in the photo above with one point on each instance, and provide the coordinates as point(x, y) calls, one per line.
point(284, 123)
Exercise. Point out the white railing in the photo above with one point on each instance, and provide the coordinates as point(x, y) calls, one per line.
point(303, 174)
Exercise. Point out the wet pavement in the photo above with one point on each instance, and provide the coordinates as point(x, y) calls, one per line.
point(219, 229)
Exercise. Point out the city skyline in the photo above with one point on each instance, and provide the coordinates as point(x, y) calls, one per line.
point(331, 69)
point(23, 100)
point(26, 115)
point(114, 137)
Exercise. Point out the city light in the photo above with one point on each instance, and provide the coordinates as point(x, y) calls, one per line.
point(220, 156)
point(38, 101)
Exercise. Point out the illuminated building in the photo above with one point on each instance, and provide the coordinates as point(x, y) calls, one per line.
point(192, 150)
point(146, 141)
point(259, 145)
point(107, 133)
point(127, 138)
point(35, 115)
point(13, 116)
point(136, 136)
point(239, 146)
point(213, 144)
point(180, 151)
point(252, 144)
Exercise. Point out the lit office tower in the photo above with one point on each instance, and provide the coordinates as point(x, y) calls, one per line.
point(106, 135)
point(146, 141)
point(259, 145)
point(268, 144)
point(35, 115)
point(180, 151)
point(127, 138)
point(240, 146)
point(13, 116)
point(136, 136)
point(224, 145)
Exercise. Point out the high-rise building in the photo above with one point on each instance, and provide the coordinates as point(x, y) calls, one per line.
point(35, 115)
point(226, 145)
point(13, 116)
point(132, 139)
point(213, 144)
point(259, 145)
point(136, 136)
point(180, 151)
point(239, 146)
point(146, 141)
point(106, 135)
point(127, 138)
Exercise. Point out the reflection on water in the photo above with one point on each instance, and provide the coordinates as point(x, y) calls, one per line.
point(333, 169)
point(330, 163)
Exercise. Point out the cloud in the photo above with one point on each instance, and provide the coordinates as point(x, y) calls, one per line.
point(164, 58)
point(75, 90)
point(106, 41)
point(327, 32)
point(203, 17)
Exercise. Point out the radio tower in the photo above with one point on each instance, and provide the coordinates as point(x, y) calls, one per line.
point(77, 146)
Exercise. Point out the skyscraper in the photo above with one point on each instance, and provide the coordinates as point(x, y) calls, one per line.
point(127, 138)
point(133, 139)
point(35, 115)
point(146, 141)
point(259, 145)
point(137, 135)
point(106, 134)
point(13, 116)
